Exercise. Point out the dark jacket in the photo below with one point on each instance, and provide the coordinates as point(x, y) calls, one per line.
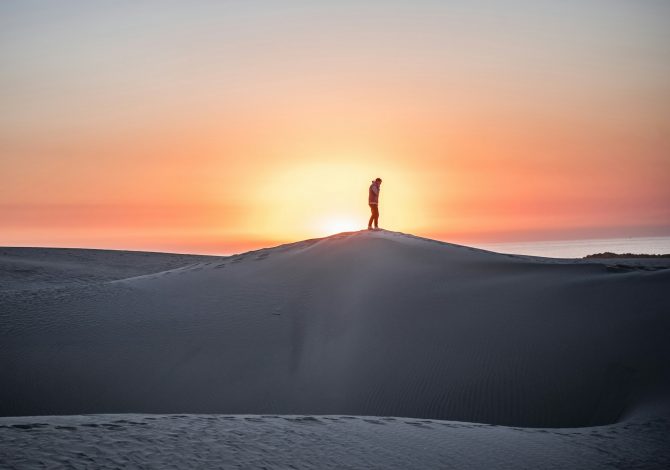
point(373, 193)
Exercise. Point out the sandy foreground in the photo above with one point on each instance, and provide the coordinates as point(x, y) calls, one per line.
point(364, 349)
point(262, 441)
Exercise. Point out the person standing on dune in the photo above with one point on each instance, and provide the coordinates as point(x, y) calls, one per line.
point(373, 202)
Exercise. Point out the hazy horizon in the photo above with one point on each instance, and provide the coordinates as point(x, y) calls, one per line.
point(210, 127)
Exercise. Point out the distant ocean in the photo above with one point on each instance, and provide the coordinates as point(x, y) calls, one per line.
point(581, 248)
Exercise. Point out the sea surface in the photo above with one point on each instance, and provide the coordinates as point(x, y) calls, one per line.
point(581, 248)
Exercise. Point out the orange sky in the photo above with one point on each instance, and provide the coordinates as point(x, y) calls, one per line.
point(217, 128)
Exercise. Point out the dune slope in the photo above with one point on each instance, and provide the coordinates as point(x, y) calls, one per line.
point(363, 323)
point(52, 268)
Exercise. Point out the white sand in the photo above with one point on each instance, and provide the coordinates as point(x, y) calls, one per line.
point(368, 324)
point(319, 442)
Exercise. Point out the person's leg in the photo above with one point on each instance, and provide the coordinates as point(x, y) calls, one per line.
point(372, 217)
point(375, 211)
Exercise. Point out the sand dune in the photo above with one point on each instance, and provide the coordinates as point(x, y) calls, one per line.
point(363, 323)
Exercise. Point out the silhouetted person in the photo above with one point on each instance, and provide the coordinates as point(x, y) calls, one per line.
point(373, 201)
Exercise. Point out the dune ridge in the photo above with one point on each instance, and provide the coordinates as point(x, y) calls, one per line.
point(361, 323)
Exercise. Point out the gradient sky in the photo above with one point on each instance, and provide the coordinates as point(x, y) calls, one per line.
point(216, 127)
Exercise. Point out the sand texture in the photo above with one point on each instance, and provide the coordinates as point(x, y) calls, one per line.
point(322, 442)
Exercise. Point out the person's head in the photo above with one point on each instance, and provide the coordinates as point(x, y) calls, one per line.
point(378, 181)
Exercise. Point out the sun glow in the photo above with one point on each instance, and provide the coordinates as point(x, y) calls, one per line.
point(337, 224)
point(306, 199)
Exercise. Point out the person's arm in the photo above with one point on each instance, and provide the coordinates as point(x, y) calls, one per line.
point(375, 189)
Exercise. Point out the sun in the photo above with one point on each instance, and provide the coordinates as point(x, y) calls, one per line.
point(337, 224)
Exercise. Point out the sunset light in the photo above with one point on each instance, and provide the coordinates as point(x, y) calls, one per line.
point(337, 224)
point(250, 126)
